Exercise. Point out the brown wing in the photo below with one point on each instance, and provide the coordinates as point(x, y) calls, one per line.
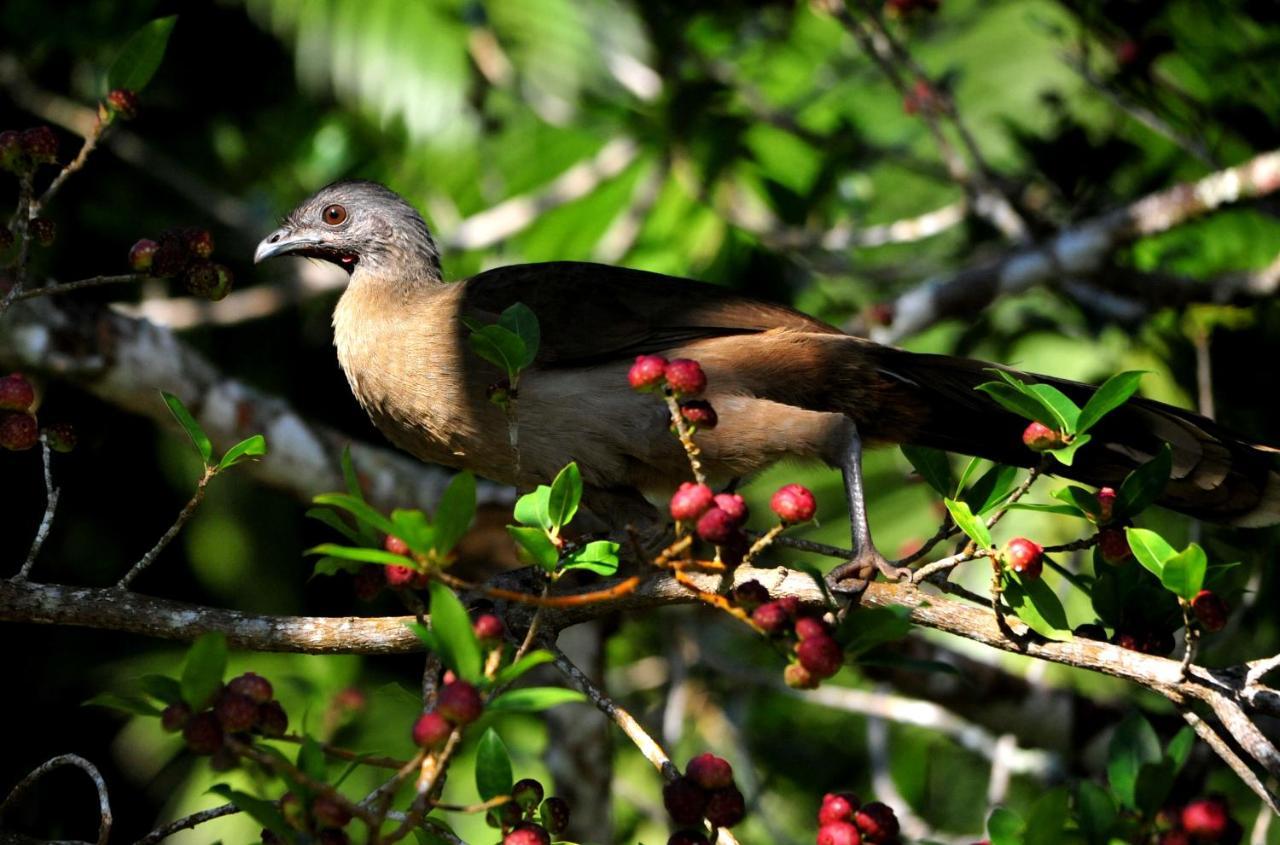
point(592, 312)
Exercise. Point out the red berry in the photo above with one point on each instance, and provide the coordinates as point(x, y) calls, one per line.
point(793, 504)
point(688, 837)
point(838, 807)
point(272, 720)
point(395, 545)
point(1127, 52)
point(734, 505)
point(1039, 437)
point(236, 713)
point(877, 822)
point(16, 393)
point(203, 733)
point(647, 372)
point(527, 833)
point(1106, 504)
point(750, 594)
point(555, 815)
point(685, 801)
point(431, 730)
point(1126, 640)
point(821, 655)
point(123, 102)
point(369, 581)
point(1210, 609)
point(252, 685)
point(771, 617)
point(1024, 557)
point(839, 833)
point(142, 254)
point(488, 629)
point(718, 527)
point(60, 436)
point(175, 716)
point(528, 793)
point(1206, 818)
point(726, 806)
point(199, 242)
point(1113, 544)
point(43, 230)
point(699, 413)
point(686, 377)
point(329, 813)
point(798, 677)
point(400, 576)
point(709, 771)
point(691, 501)
point(809, 626)
point(460, 703)
point(791, 605)
point(40, 144)
point(18, 431)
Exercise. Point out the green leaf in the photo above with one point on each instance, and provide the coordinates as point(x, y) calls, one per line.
point(1038, 605)
point(126, 703)
point(140, 57)
point(969, 469)
point(190, 426)
point(566, 493)
point(532, 508)
point(360, 553)
point(1066, 455)
point(536, 545)
point(1155, 782)
point(1063, 510)
point(1023, 404)
point(1096, 812)
point(975, 528)
point(1150, 549)
point(357, 508)
point(599, 556)
point(1183, 573)
point(1004, 827)
point(1145, 484)
point(331, 519)
point(311, 760)
point(427, 636)
point(452, 627)
point(507, 674)
point(991, 489)
point(1066, 412)
point(250, 447)
point(161, 687)
point(520, 320)
point(1179, 748)
point(1046, 823)
point(1113, 393)
point(869, 627)
point(456, 510)
point(202, 673)
point(533, 699)
point(263, 812)
point(932, 465)
point(1078, 497)
point(1133, 744)
point(493, 767)
point(412, 527)
point(500, 347)
point(349, 475)
point(330, 565)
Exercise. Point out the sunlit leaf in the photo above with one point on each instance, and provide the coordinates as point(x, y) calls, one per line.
point(198, 438)
point(533, 699)
point(1113, 393)
point(452, 627)
point(250, 447)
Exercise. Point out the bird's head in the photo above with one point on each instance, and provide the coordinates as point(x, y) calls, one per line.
point(358, 225)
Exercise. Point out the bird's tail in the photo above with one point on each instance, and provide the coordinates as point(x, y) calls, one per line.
point(1217, 475)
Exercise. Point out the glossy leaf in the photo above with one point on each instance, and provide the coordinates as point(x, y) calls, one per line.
point(1038, 605)
point(533, 699)
point(507, 674)
point(412, 527)
point(1022, 404)
point(991, 489)
point(198, 438)
point(500, 347)
point(532, 508)
point(360, 553)
point(1183, 574)
point(520, 320)
point(564, 497)
point(536, 546)
point(932, 465)
point(599, 556)
point(250, 447)
point(1145, 484)
point(202, 672)
point(1079, 498)
point(493, 766)
point(1066, 455)
point(1066, 412)
point(359, 509)
point(140, 57)
point(1150, 549)
point(1113, 393)
point(971, 525)
point(452, 627)
point(456, 510)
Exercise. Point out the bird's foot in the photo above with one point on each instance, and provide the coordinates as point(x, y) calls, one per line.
point(852, 577)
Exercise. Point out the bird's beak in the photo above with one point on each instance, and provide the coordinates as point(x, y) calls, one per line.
point(282, 242)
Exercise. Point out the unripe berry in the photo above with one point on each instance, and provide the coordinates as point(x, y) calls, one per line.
point(685, 801)
point(223, 280)
point(793, 504)
point(839, 833)
point(527, 833)
point(1039, 437)
point(203, 733)
point(838, 807)
point(40, 144)
point(718, 527)
point(199, 242)
point(272, 720)
point(688, 837)
point(12, 157)
point(809, 626)
point(369, 582)
point(771, 617)
point(142, 254)
point(505, 816)
point(555, 815)
point(488, 629)
point(329, 813)
point(18, 431)
point(236, 713)
point(685, 377)
point(1024, 557)
point(821, 655)
point(709, 771)
point(691, 501)
point(395, 545)
point(750, 594)
point(699, 413)
point(175, 716)
point(647, 373)
point(877, 822)
point(1210, 609)
point(16, 393)
point(203, 279)
point(43, 230)
point(734, 505)
point(1106, 504)
point(798, 677)
point(431, 730)
point(460, 703)
point(1206, 818)
point(252, 685)
point(123, 102)
point(725, 807)
point(1113, 544)
point(527, 793)
point(60, 436)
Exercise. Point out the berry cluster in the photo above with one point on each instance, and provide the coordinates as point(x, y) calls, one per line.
point(321, 817)
point(1202, 820)
point(705, 792)
point(22, 152)
point(19, 428)
point(528, 819)
point(457, 705)
point(844, 820)
point(817, 655)
point(243, 707)
point(683, 379)
point(185, 253)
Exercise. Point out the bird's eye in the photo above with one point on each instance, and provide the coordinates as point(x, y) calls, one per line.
point(334, 214)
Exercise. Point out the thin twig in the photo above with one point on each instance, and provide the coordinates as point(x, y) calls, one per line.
point(686, 438)
point(81, 284)
point(51, 494)
point(72, 167)
point(183, 516)
point(21, 228)
point(187, 822)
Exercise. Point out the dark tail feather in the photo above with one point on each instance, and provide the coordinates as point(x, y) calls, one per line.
point(1217, 475)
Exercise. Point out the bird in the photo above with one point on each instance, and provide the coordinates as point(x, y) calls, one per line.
point(785, 384)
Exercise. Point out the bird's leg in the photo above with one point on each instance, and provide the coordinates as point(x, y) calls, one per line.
point(853, 575)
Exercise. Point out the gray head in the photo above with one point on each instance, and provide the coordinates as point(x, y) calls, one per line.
point(358, 224)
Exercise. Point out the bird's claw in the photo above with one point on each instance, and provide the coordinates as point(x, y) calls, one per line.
point(852, 577)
